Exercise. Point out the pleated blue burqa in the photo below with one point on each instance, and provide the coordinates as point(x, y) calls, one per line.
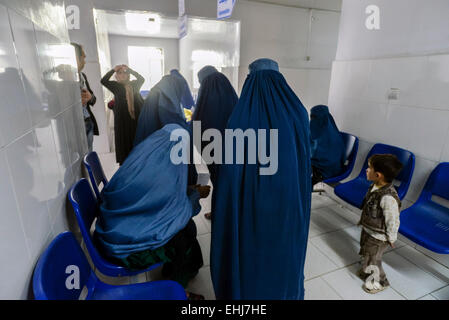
point(162, 106)
point(216, 101)
point(146, 202)
point(328, 148)
point(186, 98)
point(260, 223)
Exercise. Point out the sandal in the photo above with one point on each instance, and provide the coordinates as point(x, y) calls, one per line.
point(208, 215)
point(194, 296)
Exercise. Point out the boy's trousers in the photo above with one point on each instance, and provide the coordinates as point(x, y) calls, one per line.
point(372, 250)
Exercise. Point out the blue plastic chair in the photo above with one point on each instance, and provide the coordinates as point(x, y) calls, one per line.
point(427, 222)
point(354, 191)
point(95, 170)
point(86, 208)
point(351, 148)
point(59, 266)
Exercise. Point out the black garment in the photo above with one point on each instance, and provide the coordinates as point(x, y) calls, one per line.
point(181, 256)
point(124, 125)
point(92, 101)
point(316, 176)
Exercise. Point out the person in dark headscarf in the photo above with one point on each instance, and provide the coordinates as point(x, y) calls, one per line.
point(162, 106)
point(147, 208)
point(186, 99)
point(128, 103)
point(216, 100)
point(328, 148)
point(260, 223)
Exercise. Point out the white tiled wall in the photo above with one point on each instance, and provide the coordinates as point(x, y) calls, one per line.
point(417, 121)
point(287, 41)
point(42, 136)
point(370, 63)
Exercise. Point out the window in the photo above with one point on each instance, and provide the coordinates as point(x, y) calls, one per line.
point(149, 62)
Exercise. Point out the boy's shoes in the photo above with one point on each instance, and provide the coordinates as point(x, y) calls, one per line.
point(374, 287)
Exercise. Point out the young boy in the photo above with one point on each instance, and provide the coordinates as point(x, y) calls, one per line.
point(379, 219)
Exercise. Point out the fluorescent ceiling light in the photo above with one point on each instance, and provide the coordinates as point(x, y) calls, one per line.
point(148, 22)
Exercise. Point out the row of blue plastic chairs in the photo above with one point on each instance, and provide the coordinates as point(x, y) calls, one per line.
point(425, 222)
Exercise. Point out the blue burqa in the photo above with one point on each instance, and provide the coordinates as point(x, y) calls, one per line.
point(216, 100)
point(162, 106)
point(328, 148)
point(186, 99)
point(146, 202)
point(260, 223)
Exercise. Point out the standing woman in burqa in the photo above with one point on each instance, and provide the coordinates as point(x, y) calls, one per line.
point(162, 106)
point(216, 100)
point(186, 98)
point(328, 147)
point(260, 222)
point(127, 106)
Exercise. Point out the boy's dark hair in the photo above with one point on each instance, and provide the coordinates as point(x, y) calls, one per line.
point(387, 164)
point(78, 49)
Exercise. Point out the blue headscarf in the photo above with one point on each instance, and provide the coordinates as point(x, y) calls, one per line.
point(146, 202)
point(161, 107)
point(216, 100)
point(260, 223)
point(186, 99)
point(328, 148)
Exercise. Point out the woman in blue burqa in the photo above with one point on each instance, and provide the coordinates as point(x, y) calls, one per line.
point(186, 98)
point(328, 148)
point(147, 209)
point(216, 100)
point(162, 106)
point(260, 222)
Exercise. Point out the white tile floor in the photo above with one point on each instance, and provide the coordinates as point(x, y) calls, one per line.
point(332, 257)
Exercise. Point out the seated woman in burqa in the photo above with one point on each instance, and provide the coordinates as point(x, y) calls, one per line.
point(260, 222)
point(328, 148)
point(216, 101)
point(147, 209)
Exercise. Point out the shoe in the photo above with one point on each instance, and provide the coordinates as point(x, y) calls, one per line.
point(373, 287)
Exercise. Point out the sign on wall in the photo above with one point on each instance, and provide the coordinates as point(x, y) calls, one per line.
point(181, 7)
point(182, 19)
point(182, 26)
point(224, 8)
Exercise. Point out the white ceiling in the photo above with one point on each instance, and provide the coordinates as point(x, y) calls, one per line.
point(334, 5)
point(117, 24)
